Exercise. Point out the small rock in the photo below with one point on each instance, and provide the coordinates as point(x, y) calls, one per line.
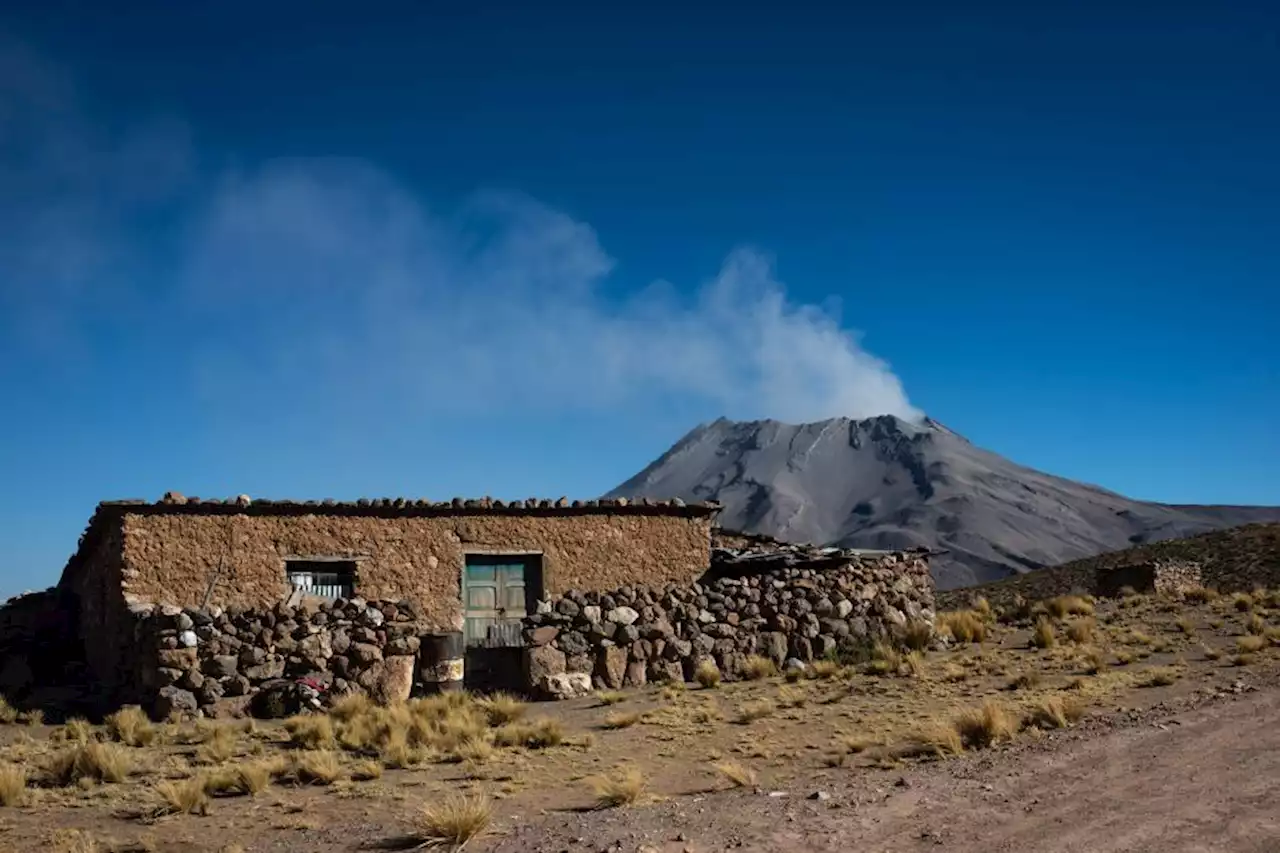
point(820, 796)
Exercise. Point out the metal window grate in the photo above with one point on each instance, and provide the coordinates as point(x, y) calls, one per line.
point(322, 582)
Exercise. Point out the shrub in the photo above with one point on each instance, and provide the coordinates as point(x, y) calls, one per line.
point(13, 785)
point(32, 717)
point(8, 713)
point(1200, 594)
point(74, 730)
point(707, 674)
point(1094, 661)
point(611, 697)
point(621, 788)
point(131, 726)
point(756, 667)
point(1251, 643)
point(739, 775)
point(454, 821)
point(1161, 677)
point(367, 771)
point(824, 669)
point(1081, 631)
point(986, 725)
point(1255, 625)
point(503, 708)
point(1068, 605)
point(1242, 601)
point(965, 626)
point(317, 767)
point(1186, 626)
point(938, 737)
point(311, 731)
point(885, 660)
point(1056, 712)
point(1043, 636)
point(185, 797)
point(917, 634)
point(219, 746)
point(617, 720)
point(101, 762)
point(534, 734)
point(752, 711)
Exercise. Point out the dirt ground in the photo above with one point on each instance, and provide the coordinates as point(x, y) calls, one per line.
point(1176, 750)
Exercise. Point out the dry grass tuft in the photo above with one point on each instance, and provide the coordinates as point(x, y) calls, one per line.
point(623, 787)
point(1186, 626)
point(1242, 601)
point(1094, 661)
point(1056, 712)
point(824, 669)
point(619, 720)
point(219, 746)
point(74, 730)
point(1243, 659)
point(1251, 643)
point(185, 797)
point(611, 697)
point(938, 737)
point(965, 626)
point(707, 674)
point(1200, 594)
point(1081, 631)
point(317, 767)
point(454, 821)
point(739, 775)
point(13, 784)
point(913, 664)
point(1209, 652)
point(985, 726)
point(917, 634)
point(8, 713)
point(1043, 636)
point(32, 717)
point(533, 734)
point(131, 726)
point(311, 731)
point(885, 660)
point(249, 778)
point(1026, 681)
point(503, 708)
point(1255, 624)
point(74, 841)
point(1068, 605)
point(752, 711)
point(1161, 676)
point(351, 706)
point(95, 761)
point(756, 667)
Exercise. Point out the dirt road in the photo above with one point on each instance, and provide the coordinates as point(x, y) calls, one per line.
point(1203, 779)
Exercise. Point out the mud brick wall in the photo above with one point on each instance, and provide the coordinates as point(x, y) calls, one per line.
point(213, 661)
point(635, 634)
point(178, 557)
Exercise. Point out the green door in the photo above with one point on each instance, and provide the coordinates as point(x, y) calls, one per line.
point(495, 590)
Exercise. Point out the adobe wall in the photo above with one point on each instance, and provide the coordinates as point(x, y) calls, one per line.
point(807, 609)
point(174, 558)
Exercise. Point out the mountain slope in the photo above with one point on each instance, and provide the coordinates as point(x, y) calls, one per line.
point(888, 483)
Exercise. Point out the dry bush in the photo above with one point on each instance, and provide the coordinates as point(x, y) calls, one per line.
point(885, 660)
point(131, 726)
point(1081, 631)
point(824, 669)
point(1068, 605)
point(611, 697)
point(1273, 634)
point(1043, 636)
point(1242, 601)
point(1200, 594)
point(502, 708)
point(913, 664)
point(74, 730)
point(367, 771)
point(789, 697)
point(220, 746)
point(1123, 658)
point(32, 717)
point(454, 821)
point(74, 841)
point(917, 634)
point(533, 734)
point(1056, 712)
point(1186, 626)
point(396, 752)
point(707, 674)
point(1243, 659)
point(8, 713)
point(100, 762)
point(982, 607)
point(756, 667)
point(350, 706)
point(1161, 676)
point(311, 731)
point(1251, 643)
point(13, 784)
point(619, 720)
point(965, 626)
point(249, 778)
point(185, 797)
point(1209, 652)
point(1026, 681)
point(317, 767)
point(752, 711)
point(986, 725)
point(1255, 624)
point(623, 787)
point(739, 775)
point(1094, 661)
point(937, 737)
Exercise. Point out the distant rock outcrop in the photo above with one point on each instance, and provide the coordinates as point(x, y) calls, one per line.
point(886, 483)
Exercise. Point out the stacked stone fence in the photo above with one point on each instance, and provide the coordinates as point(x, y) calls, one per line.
point(215, 661)
point(792, 605)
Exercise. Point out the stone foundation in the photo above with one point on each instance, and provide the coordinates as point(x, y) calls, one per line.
point(214, 661)
point(780, 606)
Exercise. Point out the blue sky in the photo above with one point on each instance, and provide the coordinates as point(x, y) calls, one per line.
point(303, 250)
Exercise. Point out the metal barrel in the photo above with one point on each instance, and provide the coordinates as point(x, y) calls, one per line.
point(440, 661)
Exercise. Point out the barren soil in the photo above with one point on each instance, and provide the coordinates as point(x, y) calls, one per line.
point(1179, 749)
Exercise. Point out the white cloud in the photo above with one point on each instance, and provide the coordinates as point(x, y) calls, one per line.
point(307, 282)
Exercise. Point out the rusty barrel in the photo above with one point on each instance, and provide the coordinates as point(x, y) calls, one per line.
point(440, 661)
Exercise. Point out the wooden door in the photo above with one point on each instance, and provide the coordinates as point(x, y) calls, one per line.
point(496, 597)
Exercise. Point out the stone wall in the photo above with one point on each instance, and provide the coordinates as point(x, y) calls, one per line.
point(808, 607)
point(214, 661)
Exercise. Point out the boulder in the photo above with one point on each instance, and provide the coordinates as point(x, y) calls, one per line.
point(389, 681)
point(623, 615)
point(364, 654)
point(542, 663)
point(636, 674)
point(173, 700)
point(565, 685)
point(611, 666)
point(221, 666)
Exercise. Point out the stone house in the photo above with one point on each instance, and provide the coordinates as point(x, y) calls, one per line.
point(476, 566)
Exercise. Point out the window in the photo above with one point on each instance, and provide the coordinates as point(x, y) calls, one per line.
point(323, 578)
